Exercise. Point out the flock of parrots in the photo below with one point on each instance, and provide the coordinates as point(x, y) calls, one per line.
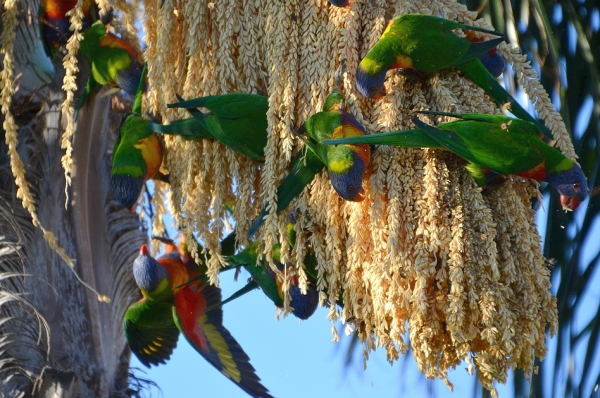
point(177, 296)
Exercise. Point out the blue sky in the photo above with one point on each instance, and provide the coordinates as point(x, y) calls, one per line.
point(293, 359)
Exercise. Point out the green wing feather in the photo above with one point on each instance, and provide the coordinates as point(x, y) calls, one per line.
point(479, 75)
point(150, 331)
point(237, 120)
point(488, 144)
point(405, 138)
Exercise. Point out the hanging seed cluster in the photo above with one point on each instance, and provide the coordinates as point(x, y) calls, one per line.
point(427, 255)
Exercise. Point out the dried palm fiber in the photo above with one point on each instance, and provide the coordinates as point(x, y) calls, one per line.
point(10, 22)
point(426, 249)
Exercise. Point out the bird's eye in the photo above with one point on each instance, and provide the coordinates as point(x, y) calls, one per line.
point(372, 89)
point(576, 186)
point(350, 187)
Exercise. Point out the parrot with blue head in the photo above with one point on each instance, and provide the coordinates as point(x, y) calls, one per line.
point(178, 299)
point(493, 145)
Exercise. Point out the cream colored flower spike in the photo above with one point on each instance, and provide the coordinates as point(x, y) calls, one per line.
point(426, 248)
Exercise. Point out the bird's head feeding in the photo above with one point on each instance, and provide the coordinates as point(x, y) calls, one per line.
point(572, 186)
point(150, 276)
point(370, 85)
point(348, 184)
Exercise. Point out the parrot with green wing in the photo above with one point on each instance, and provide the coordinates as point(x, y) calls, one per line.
point(113, 61)
point(172, 304)
point(493, 144)
point(137, 157)
point(237, 120)
point(56, 25)
point(304, 305)
point(137, 154)
point(346, 164)
point(425, 44)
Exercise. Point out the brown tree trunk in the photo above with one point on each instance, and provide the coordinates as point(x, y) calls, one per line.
point(57, 338)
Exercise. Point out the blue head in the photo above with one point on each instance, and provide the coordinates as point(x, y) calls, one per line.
point(127, 189)
point(304, 305)
point(370, 86)
point(493, 62)
point(349, 183)
point(339, 3)
point(572, 186)
point(129, 79)
point(150, 276)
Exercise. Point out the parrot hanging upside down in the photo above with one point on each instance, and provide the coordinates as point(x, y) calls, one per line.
point(112, 60)
point(421, 42)
point(493, 143)
point(346, 164)
point(170, 305)
point(304, 305)
point(137, 157)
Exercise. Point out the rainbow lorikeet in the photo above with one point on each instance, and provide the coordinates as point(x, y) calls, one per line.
point(237, 120)
point(172, 304)
point(346, 164)
point(112, 60)
point(137, 154)
point(425, 44)
point(493, 143)
point(55, 24)
point(137, 157)
point(304, 305)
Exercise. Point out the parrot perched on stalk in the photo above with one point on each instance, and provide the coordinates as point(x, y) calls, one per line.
point(493, 144)
point(237, 120)
point(113, 61)
point(425, 44)
point(56, 25)
point(137, 154)
point(172, 304)
point(346, 164)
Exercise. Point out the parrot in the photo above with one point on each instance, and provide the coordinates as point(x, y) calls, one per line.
point(419, 42)
point(112, 60)
point(424, 43)
point(493, 143)
point(55, 24)
point(346, 165)
point(137, 154)
point(304, 305)
point(170, 305)
point(237, 120)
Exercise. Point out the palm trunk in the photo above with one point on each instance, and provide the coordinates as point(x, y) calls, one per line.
point(56, 338)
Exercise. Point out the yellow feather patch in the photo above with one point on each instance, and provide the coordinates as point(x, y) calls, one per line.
point(152, 152)
point(219, 344)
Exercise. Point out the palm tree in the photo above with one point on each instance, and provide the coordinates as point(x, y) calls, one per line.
point(55, 333)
